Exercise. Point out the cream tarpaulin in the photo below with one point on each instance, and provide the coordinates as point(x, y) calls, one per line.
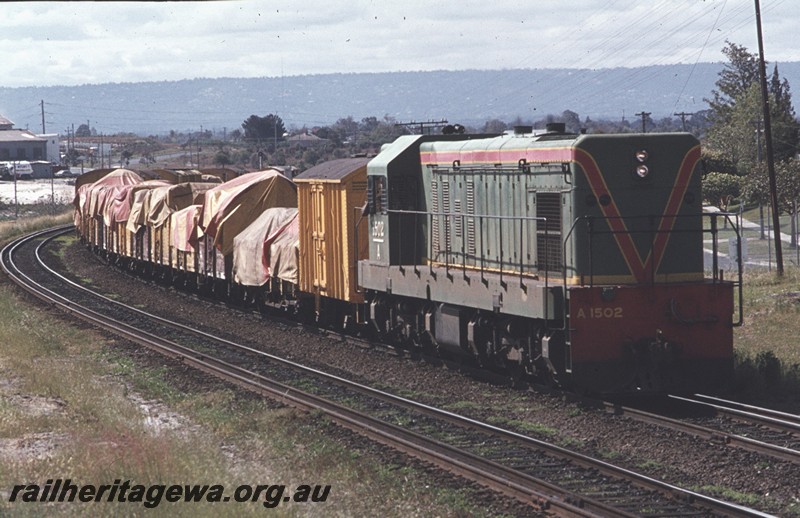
point(284, 253)
point(184, 228)
point(230, 207)
point(165, 201)
point(269, 246)
point(140, 206)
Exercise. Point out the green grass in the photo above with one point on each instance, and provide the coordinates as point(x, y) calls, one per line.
point(766, 346)
point(746, 499)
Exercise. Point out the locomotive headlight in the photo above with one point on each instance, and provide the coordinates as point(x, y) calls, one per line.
point(641, 156)
point(642, 171)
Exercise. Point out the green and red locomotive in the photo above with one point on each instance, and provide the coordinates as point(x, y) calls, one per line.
point(572, 257)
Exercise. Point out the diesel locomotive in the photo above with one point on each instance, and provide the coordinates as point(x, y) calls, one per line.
point(574, 259)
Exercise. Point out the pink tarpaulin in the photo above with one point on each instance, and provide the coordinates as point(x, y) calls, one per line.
point(184, 228)
point(267, 247)
point(230, 207)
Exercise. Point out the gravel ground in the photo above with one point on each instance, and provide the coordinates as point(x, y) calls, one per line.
point(663, 454)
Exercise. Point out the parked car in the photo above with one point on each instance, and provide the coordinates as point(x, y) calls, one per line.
point(65, 173)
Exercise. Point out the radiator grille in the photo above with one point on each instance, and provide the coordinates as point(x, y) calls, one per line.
point(471, 220)
point(548, 234)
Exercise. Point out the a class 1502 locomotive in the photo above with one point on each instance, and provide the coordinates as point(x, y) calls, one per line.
point(570, 258)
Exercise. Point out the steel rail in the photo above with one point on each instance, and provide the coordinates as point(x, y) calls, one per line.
point(720, 436)
point(767, 417)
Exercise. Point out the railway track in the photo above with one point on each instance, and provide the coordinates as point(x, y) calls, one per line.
point(737, 425)
point(774, 432)
point(546, 476)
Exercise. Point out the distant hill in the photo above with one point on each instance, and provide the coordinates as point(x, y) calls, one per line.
point(468, 97)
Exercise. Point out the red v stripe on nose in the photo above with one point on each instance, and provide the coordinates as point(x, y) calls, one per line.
point(640, 268)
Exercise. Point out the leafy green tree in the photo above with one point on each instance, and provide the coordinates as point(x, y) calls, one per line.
point(736, 77)
point(787, 176)
point(495, 126)
point(785, 128)
point(83, 131)
point(737, 138)
point(269, 128)
point(222, 158)
point(736, 112)
point(720, 189)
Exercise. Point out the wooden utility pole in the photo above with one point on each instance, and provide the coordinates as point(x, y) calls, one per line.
point(682, 115)
point(43, 128)
point(644, 116)
point(773, 188)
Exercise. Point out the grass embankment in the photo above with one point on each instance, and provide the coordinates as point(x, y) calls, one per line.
point(74, 406)
point(768, 344)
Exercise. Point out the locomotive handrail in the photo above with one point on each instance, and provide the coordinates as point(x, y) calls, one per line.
point(716, 274)
point(480, 258)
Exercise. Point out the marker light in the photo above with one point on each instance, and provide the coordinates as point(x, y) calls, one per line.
point(642, 171)
point(641, 156)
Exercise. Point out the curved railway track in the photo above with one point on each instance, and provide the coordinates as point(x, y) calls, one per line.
point(543, 475)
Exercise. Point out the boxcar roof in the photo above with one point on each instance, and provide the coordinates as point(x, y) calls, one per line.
point(333, 170)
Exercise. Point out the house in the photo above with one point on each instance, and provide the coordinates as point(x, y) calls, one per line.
point(16, 144)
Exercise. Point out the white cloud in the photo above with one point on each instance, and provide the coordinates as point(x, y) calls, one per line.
point(48, 43)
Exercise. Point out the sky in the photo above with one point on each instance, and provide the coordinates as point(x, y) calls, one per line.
point(73, 43)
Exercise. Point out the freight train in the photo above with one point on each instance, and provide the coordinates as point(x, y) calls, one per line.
point(572, 259)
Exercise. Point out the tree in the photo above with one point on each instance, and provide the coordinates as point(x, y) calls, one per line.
point(720, 188)
point(347, 129)
point(785, 128)
point(264, 129)
point(495, 126)
point(787, 175)
point(83, 131)
point(572, 121)
point(125, 157)
point(736, 112)
point(737, 138)
point(222, 158)
point(738, 74)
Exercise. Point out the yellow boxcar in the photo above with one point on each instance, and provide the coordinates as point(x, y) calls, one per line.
point(330, 197)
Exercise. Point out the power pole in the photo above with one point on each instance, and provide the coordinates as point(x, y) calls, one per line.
point(43, 129)
point(644, 116)
point(773, 187)
point(682, 115)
